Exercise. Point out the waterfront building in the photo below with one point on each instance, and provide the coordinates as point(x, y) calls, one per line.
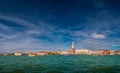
point(64, 52)
point(41, 53)
point(18, 53)
point(53, 53)
point(94, 53)
point(116, 52)
point(32, 54)
point(119, 53)
point(106, 52)
point(99, 52)
point(73, 49)
point(112, 52)
point(1, 54)
point(84, 51)
point(5, 54)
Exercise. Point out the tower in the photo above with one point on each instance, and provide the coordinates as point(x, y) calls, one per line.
point(73, 49)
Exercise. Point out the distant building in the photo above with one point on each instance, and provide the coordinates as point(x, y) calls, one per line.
point(94, 53)
point(116, 52)
point(119, 53)
point(112, 52)
point(73, 49)
point(18, 53)
point(41, 53)
point(5, 54)
point(99, 52)
point(32, 54)
point(84, 51)
point(64, 52)
point(106, 52)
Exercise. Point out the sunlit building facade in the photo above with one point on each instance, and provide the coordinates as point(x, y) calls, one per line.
point(84, 51)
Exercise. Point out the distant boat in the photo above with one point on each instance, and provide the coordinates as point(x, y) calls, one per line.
point(18, 53)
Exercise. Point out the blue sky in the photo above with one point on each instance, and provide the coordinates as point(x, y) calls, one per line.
point(33, 25)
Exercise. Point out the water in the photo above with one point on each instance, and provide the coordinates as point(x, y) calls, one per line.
point(60, 64)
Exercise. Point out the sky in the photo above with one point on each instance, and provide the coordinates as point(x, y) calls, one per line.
point(34, 25)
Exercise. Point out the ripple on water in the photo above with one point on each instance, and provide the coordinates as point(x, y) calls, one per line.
point(59, 64)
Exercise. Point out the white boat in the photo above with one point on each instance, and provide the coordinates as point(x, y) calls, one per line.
point(18, 53)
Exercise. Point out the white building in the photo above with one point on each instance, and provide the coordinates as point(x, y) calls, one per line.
point(41, 53)
point(112, 52)
point(84, 51)
point(64, 52)
point(32, 54)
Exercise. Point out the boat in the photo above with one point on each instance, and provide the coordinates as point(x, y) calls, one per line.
point(18, 53)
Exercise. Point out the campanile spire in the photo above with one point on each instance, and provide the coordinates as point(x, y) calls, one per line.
point(72, 44)
point(73, 49)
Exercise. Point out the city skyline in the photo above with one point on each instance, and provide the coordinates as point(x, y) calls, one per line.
point(54, 24)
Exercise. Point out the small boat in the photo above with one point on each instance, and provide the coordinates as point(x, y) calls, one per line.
point(18, 53)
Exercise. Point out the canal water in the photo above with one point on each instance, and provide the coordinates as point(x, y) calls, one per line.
point(60, 64)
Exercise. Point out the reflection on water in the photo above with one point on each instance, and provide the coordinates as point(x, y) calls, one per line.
point(59, 64)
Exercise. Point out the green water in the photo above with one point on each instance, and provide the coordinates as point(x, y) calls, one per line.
point(60, 64)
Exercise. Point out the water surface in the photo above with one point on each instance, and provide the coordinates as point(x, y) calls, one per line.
point(60, 64)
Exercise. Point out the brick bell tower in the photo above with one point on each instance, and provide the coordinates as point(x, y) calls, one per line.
point(73, 49)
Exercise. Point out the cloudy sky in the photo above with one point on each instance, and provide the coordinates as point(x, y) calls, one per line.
point(32, 25)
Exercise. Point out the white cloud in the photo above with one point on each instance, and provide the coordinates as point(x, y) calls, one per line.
point(2, 26)
point(98, 36)
point(33, 32)
point(19, 21)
